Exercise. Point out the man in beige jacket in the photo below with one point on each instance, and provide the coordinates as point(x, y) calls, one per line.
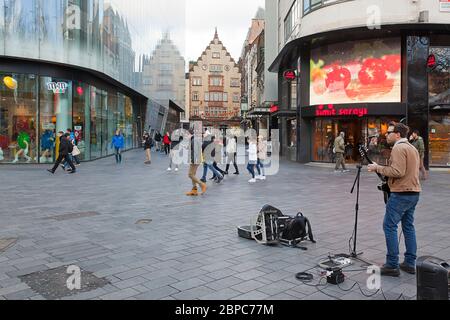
point(403, 174)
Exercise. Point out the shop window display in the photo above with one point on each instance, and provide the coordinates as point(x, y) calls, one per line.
point(18, 115)
point(81, 119)
point(369, 132)
point(55, 114)
point(440, 139)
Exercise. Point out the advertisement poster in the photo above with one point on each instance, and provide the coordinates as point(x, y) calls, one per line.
point(78, 133)
point(356, 72)
point(444, 5)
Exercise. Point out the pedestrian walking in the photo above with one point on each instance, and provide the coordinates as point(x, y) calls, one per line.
point(75, 152)
point(231, 150)
point(252, 158)
point(195, 160)
point(65, 148)
point(167, 141)
point(174, 149)
point(262, 156)
point(417, 142)
point(339, 151)
point(118, 143)
point(148, 144)
point(158, 139)
point(209, 153)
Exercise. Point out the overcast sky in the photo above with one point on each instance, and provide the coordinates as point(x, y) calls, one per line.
point(191, 23)
point(231, 17)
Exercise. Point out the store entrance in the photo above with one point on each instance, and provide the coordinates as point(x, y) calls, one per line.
point(326, 131)
point(370, 132)
point(353, 137)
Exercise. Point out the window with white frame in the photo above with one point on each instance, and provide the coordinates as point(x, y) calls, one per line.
point(215, 81)
point(216, 55)
point(236, 97)
point(216, 68)
point(225, 97)
point(195, 96)
point(206, 96)
point(196, 81)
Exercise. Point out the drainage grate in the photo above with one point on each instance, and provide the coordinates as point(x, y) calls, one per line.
point(73, 216)
point(144, 221)
point(53, 284)
point(5, 244)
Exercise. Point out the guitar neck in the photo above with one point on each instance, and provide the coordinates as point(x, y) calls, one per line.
point(371, 162)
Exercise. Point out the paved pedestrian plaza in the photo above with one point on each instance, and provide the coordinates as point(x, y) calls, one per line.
point(133, 233)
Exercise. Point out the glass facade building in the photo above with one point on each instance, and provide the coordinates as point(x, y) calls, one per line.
point(70, 64)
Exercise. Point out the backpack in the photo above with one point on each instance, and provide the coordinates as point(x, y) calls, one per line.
point(298, 228)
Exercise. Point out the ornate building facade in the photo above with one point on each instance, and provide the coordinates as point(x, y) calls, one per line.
point(215, 87)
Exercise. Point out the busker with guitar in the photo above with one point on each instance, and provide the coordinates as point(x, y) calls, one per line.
point(404, 183)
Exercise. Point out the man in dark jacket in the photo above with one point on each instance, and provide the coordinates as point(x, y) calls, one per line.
point(65, 148)
point(417, 141)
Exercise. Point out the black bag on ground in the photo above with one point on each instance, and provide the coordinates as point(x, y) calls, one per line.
point(298, 228)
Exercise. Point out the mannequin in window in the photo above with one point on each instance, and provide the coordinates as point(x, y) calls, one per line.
point(47, 145)
point(23, 141)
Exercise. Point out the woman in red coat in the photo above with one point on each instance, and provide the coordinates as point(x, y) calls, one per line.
point(167, 143)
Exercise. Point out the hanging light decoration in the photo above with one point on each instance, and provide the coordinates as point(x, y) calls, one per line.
point(10, 82)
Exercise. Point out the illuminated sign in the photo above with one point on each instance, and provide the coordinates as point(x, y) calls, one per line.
point(290, 75)
point(57, 87)
point(274, 109)
point(444, 5)
point(431, 62)
point(331, 111)
point(367, 71)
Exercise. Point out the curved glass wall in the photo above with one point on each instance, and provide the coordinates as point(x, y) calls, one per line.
point(108, 36)
point(34, 108)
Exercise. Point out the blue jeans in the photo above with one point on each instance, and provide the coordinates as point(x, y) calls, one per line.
point(400, 208)
point(209, 166)
point(260, 168)
point(251, 168)
point(118, 155)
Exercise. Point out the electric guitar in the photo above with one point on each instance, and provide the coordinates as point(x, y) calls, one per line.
point(383, 186)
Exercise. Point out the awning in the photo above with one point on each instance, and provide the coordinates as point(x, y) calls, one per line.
point(289, 52)
point(259, 112)
point(284, 113)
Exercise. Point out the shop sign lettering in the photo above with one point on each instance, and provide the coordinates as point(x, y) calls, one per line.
point(57, 87)
point(331, 111)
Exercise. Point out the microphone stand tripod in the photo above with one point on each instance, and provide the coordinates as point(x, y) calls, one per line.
point(356, 184)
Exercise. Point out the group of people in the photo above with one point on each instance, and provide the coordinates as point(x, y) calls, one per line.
point(68, 151)
point(403, 173)
point(257, 155)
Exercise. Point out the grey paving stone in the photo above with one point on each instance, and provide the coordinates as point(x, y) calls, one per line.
point(196, 238)
point(120, 295)
point(188, 284)
point(157, 294)
point(193, 294)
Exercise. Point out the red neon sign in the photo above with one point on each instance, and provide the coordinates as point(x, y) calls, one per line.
point(274, 109)
point(290, 75)
point(330, 111)
point(431, 62)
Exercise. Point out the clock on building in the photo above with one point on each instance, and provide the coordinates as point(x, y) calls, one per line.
point(204, 67)
point(227, 68)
